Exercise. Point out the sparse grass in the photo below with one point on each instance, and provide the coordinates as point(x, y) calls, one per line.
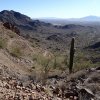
point(12, 34)
point(16, 52)
point(82, 65)
point(81, 61)
point(60, 61)
point(2, 43)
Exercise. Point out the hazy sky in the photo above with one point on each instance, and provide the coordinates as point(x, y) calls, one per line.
point(53, 8)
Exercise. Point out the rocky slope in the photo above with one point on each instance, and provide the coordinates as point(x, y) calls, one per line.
point(83, 85)
point(16, 54)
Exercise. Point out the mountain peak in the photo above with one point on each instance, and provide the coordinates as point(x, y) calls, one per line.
point(91, 18)
point(8, 11)
point(14, 17)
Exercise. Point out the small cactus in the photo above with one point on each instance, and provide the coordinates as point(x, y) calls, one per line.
point(72, 51)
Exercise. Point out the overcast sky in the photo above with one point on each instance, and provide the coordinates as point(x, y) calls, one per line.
point(53, 8)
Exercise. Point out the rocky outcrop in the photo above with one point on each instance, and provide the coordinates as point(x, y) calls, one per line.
point(12, 27)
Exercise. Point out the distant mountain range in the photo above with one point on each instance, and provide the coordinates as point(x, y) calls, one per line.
point(87, 19)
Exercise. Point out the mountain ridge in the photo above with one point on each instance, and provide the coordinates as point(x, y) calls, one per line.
point(90, 17)
point(46, 34)
point(87, 20)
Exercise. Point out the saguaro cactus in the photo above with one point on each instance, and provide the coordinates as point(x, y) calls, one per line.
point(72, 50)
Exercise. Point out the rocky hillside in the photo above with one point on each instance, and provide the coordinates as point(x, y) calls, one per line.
point(17, 54)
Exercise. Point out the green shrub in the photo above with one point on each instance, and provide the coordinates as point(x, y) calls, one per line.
point(44, 64)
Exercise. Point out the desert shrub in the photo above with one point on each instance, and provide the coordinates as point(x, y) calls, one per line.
point(44, 64)
point(41, 60)
point(58, 62)
point(38, 58)
point(16, 51)
point(82, 65)
point(45, 70)
point(65, 60)
point(2, 43)
point(12, 34)
point(35, 57)
point(81, 62)
point(55, 63)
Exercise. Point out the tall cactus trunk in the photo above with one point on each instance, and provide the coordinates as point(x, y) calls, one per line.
point(72, 50)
